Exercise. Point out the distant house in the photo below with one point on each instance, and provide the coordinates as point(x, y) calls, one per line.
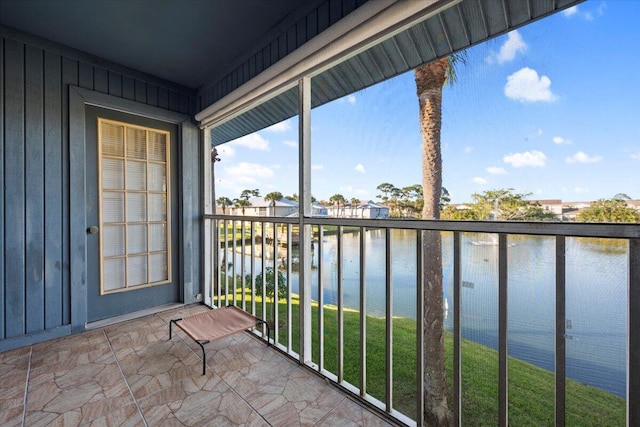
point(318, 210)
point(570, 210)
point(367, 209)
point(553, 206)
point(261, 207)
point(634, 204)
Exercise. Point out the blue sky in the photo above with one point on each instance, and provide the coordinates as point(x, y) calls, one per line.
point(552, 109)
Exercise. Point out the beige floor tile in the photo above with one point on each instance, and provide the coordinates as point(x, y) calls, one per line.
point(11, 416)
point(131, 374)
point(349, 413)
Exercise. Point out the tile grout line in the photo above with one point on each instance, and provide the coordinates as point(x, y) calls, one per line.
point(330, 411)
point(124, 378)
point(233, 390)
point(26, 388)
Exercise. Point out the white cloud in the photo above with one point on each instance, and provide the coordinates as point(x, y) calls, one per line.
point(351, 99)
point(225, 151)
point(317, 167)
point(539, 131)
point(635, 156)
point(526, 85)
point(280, 127)
point(468, 149)
point(496, 170)
point(248, 172)
point(346, 189)
point(560, 140)
point(479, 180)
point(360, 168)
point(253, 142)
point(533, 158)
point(582, 157)
point(511, 47)
point(290, 143)
point(581, 190)
point(587, 16)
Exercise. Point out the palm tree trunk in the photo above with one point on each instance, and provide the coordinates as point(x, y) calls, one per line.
point(430, 79)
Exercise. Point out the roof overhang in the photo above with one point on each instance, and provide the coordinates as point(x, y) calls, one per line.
point(380, 40)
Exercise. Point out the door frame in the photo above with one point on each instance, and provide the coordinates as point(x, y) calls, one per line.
point(188, 195)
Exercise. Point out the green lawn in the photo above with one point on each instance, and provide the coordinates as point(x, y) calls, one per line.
point(531, 389)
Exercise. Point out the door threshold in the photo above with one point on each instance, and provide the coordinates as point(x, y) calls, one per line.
point(131, 316)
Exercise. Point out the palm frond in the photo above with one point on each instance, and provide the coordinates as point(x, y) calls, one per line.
point(455, 60)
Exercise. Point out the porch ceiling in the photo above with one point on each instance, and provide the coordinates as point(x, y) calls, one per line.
point(189, 42)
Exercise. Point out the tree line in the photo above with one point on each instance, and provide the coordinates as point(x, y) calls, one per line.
point(500, 205)
point(490, 205)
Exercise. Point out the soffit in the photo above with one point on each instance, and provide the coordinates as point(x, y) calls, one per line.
point(189, 42)
point(463, 25)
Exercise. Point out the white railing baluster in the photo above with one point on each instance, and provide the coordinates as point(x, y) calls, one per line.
point(289, 259)
point(633, 335)
point(457, 330)
point(389, 323)
point(503, 319)
point(419, 331)
point(253, 267)
point(276, 289)
point(234, 252)
point(363, 316)
point(263, 283)
point(243, 248)
point(225, 263)
point(340, 343)
point(320, 300)
point(561, 323)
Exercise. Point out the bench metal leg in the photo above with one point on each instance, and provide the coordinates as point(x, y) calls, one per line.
point(204, 355)
point(262, 322)
point(171, 322)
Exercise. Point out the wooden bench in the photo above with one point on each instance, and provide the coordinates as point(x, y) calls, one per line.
point(215, 324)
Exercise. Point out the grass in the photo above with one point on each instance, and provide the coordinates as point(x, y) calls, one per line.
point(531, 389)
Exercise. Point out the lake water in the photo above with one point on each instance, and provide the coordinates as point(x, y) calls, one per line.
point(596, 295)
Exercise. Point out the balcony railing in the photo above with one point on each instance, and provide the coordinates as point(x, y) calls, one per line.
point(562, 297)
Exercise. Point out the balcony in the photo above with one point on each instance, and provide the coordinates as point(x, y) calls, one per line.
point(527, 338)
point(130, 373)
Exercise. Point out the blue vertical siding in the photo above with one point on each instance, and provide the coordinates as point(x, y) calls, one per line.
point(34, 188)
point(53, 250)
point(35, 172)
point(14, 189)
point(69, 77)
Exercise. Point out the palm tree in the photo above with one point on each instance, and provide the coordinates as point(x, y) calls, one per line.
point(224, 202)
point(273, 197)
point(241, 203)
point(246, 194)
point(337, 199)
point(430, 79)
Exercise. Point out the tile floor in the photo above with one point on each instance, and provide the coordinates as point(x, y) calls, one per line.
point(130, 374)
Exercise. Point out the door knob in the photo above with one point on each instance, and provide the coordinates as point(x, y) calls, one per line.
point(93, 229)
